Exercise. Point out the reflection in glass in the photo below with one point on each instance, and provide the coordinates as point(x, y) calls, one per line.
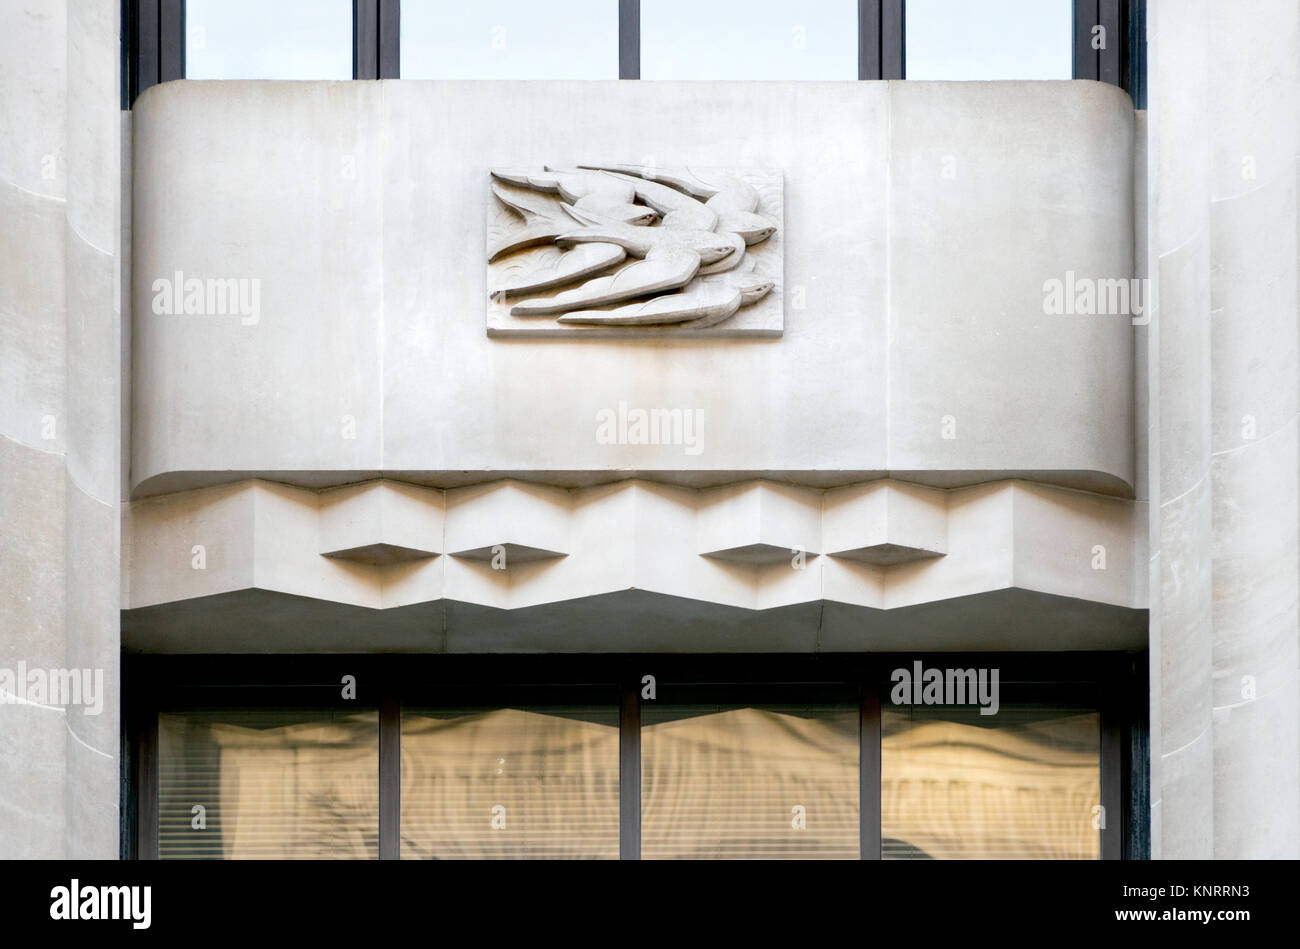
point(257, 39)
point(746, 782)
point(1022, 784)
point(992, 39)
point(513, 783)
point(749, 39)
point(509, 39)
point(268, 784)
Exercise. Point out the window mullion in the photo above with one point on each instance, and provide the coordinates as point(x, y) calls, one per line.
point(881, 39)
point(1109, 59)
point(146, 776)
point(171, 40)
point(390, 777)
point(365, 39)
point(629, 39)
point(1112, 780)
point(629, 768)
point(869, 766)
point(1086, 61)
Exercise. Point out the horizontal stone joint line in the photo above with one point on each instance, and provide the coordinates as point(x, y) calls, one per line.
point(1204, 733)
point(35, 194)
point(1280, 177)
point(89, 747)
point(1161, 255)
point(47, 451)
point(1174, 500)
point(1257, 441)
point(111, 255)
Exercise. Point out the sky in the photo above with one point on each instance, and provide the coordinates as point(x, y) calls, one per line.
point(578, 39)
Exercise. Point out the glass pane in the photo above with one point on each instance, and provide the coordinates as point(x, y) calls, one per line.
point(749, 782)
point(509, 39)
point(268, 39)
point(1022, 784)
point(268, 784)
point(992, 39)
point(538, 782)
point(749, 39)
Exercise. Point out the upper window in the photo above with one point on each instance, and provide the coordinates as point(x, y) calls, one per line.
point(649, 39)
point(749, 39)
point(509, 39)
point(992, 39)
point(254, 39)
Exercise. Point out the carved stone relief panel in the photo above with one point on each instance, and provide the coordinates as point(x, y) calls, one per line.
point(635, 251)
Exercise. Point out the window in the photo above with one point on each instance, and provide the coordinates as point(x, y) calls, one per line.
point(1022, 784)
point(534, 781)
point(256, 39)
point(749, 39)
point(635, 39)
point(509, 39)
point(550, 757)
point(246, 784)
point(741, 781)
point(989, 39)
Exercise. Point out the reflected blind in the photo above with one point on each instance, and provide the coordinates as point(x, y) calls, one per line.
point(513, 783)
point(268, 784)
point(1022, 784)
point(749, 782)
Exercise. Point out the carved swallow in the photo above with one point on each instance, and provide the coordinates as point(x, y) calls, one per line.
point(664, 268)
point(598, 194)
point(639, 241)
point(582, 261)
point(544, 219)
point(677, 209)
point(709, 301)
point(731, 199)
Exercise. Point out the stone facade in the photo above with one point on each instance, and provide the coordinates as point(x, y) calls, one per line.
point(933, 453)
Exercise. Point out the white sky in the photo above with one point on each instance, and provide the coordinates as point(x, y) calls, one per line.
point(749, 39)
point(510, 39)
point(578, 39)
point(268, 39)
point(989, 39)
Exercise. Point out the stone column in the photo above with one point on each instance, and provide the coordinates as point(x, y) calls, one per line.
point(60, 344)
point(1222, 241)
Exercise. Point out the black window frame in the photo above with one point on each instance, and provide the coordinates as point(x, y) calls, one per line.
point(1113, 683)
point(153, 40)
